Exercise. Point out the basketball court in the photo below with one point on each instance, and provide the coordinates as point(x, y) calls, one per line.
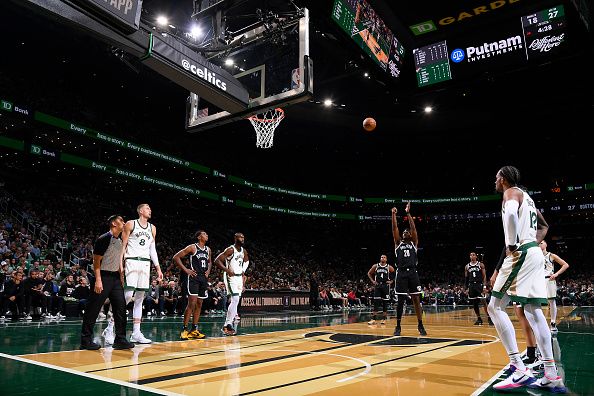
point(297, 353)
point(254, 66)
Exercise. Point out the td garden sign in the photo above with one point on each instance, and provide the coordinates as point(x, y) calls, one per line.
point(454, 18)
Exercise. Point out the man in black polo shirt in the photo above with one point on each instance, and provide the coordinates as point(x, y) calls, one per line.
point(107, 265)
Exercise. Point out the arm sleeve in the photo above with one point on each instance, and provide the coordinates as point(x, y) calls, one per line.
point(511, 214)
point(154, 256)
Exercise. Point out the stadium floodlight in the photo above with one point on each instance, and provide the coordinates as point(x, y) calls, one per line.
point(195, 31)
point(162, 20)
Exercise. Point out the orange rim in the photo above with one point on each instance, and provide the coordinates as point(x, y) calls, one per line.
point(281, 116)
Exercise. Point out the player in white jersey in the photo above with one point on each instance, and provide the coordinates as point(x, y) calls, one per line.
point(521, 279)
point(139, 250)
point(234, 261)
point(551, 276)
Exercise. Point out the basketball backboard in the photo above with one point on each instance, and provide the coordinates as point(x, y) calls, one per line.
point(266, 49)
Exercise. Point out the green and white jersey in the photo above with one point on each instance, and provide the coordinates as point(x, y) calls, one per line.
point(527, 219)
point(235, 262)
point(140, 241)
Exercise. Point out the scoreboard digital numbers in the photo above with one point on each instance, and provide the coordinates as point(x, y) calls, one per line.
point(359, 20)
point(544, 31)
point(432, 64)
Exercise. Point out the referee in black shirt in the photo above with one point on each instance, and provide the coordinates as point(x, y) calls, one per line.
point(107, 265)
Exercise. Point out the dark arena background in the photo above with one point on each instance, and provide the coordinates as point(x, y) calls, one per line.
point(107, 105)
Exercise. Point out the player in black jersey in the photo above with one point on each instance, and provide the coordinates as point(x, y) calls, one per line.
point(476, 281)
point(407, 278)
point(380, 276)
point(194, 280)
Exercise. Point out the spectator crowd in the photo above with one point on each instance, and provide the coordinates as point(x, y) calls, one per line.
point(46, 260)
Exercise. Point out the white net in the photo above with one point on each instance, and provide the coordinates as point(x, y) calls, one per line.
point(265, 124)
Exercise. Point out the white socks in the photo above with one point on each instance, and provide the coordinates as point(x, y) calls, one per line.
point(553, 306)
point(505, 329)
point(138, 298)
point(541, 330)
point(232, 310)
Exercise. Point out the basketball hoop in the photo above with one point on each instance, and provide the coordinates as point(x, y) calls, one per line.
point(265, 124)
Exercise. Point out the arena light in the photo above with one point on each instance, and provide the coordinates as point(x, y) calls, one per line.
point(428, 109)
point(229, 62)
point(162, 20)
point(328, 103)
point(195, 32)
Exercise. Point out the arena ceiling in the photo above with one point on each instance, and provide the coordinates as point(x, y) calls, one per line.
point(531, 115)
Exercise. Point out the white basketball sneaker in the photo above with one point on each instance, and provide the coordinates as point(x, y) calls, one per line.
point(517, 379)
point(139, 338)
point(108, 335)
point(554, 385)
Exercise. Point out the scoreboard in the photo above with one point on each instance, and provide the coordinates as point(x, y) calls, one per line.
point(431, 64)
point(544, 32)
point(360, 21)
point(532, 38)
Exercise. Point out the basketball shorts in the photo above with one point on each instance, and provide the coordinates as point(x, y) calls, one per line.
point(407, 281)
point(475, 290)
point(195, 286)
point(382, 292)
point(138, 274)
point(234, 284)
point(551, 288)
point(522, 277)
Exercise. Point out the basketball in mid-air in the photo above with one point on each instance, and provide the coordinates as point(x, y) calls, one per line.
point(369, 124)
